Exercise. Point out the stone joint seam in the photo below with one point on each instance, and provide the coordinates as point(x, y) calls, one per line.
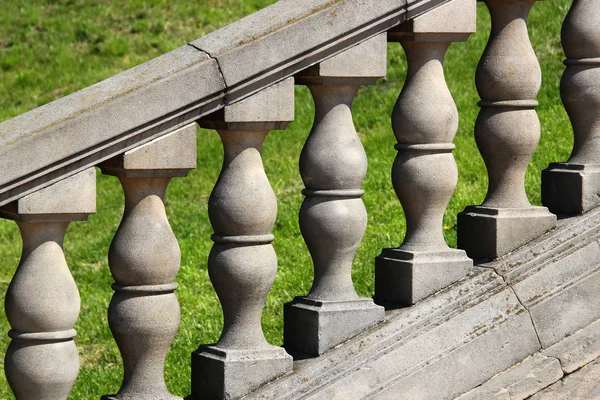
point(225, 88)
point(508, 286)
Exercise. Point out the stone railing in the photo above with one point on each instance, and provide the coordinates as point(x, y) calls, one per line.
point(140, 127)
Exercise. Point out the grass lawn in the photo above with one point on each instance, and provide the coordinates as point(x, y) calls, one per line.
point(51, 48)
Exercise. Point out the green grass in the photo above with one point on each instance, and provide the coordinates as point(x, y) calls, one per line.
point(51, 48)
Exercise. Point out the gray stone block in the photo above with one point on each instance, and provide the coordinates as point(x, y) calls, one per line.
point(219, 373)
point(562, 297)
point(488, 233)
point(106, 119)
point(441, 347)
point(271, 108)
point(362, 64)
point(453, 21)
point(404, 277)
point(583, 384)
point(520, 381)
point(173, 154)
point(577, 350)
point(292, 39)
point(313, 327)
point(70, 199)
point(571, 188)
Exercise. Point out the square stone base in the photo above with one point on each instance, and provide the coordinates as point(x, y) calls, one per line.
point(489, 233)
point(230, 374)
point(313, 327)
point(571, 188)
point(403, 277)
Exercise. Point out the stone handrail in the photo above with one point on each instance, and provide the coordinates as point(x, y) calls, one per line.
point(140, 126)
point(145, 102)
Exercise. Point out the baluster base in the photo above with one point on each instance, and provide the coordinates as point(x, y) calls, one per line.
point(404, 277)
point(314, 326)
point(219, 373)
point(489, 233)
point(571, 188)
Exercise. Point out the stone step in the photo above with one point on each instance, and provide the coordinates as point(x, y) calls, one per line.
point(583, 384)
point(510, 328)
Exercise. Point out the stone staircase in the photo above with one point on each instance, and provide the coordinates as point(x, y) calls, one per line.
point(512, 313)
point(509, 329)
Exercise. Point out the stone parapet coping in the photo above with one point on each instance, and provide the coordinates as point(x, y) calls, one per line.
point(85, 128)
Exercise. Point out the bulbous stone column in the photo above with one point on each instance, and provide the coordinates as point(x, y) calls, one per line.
point(424, 175)
point(507, 132)
point(144, 259)
point(42, 301)
point(333, 218)
point(574, 187)
point(242, 263)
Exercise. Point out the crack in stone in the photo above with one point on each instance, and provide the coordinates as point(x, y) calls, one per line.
point(522, 305)
point(225, 90)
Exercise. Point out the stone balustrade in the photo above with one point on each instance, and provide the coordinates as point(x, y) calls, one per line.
point(243, 103)
point(507, 132)
point(573, 187)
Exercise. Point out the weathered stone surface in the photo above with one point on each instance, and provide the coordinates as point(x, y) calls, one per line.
point(106, 119)
point(233, 373)
point(453, 21)
point(507, 132)
point(333, 218)
point(144, 258)
point(315, 326)
point(42, 301)
point(406, 277)
point(557, 277)
point(489, 232)
point(520, 381)
point(574, 187)
point(439, 348)
point(173, 154)
point(271, 108)
point(583, 384)
point(578, 349)
point(294, 37)
point(73, 198)
point(569, 188)
point(242, 263)
point(424, 174)
point(364, 63)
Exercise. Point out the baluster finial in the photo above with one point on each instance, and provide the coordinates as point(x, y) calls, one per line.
point(242, 263)
point(42, 301)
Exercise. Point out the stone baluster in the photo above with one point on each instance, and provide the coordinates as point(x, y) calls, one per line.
point(424, 174)
point(507, 132)
point(42, 301)
point(574, 187)
point(144, 259)
point(242, 263)
point(333, 218)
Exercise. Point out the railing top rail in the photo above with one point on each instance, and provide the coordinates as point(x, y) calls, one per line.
point(66, 136)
